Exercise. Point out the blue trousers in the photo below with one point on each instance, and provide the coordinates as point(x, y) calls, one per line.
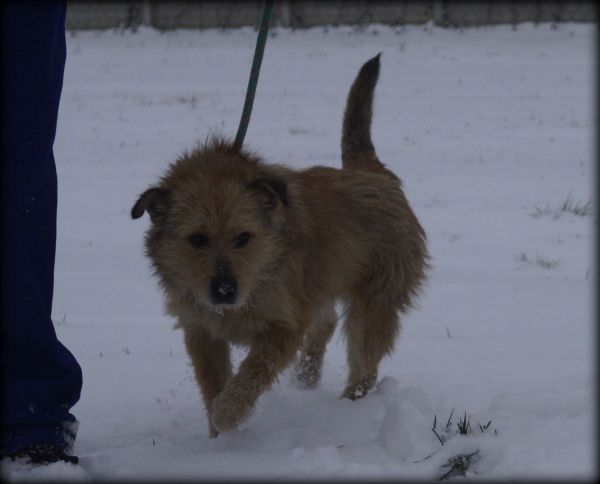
point(41, 380)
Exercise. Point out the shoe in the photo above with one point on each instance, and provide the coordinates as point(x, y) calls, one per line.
point(44, 454)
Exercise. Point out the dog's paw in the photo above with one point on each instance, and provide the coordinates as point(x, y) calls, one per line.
point(308, 372)
point(354, 392)
point(229, 408)
point(359, 389)
point(213, 433)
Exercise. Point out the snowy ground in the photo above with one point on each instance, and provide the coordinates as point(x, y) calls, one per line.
point(491, 129)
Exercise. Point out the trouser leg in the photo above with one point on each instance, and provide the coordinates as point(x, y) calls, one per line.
point(41, 380)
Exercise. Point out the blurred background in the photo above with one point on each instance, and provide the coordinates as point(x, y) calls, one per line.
point(165, 15)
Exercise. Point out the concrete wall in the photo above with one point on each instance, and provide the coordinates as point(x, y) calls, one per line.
point(83, 14)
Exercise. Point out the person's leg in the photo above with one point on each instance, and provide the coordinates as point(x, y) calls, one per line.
point(41, 380)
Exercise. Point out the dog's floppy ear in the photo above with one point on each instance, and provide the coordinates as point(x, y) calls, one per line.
point(155, 201)
point(274, 189)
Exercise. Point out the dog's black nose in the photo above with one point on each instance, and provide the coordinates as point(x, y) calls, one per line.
point(223, 290)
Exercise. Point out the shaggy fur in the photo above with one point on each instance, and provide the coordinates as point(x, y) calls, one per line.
point(257, 254)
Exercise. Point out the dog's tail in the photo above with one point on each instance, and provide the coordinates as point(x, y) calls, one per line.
point(357, 148)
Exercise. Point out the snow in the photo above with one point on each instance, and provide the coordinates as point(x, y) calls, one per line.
point(484, 126)
point(20, 470)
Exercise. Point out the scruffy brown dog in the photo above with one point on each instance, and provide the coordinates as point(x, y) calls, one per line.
point(257, 254)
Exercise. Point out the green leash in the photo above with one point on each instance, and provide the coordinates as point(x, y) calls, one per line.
point(254, 71)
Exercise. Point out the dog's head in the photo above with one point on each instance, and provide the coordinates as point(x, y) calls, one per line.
point(217, 219)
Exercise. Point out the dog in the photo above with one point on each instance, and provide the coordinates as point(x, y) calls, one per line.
point(257, 254)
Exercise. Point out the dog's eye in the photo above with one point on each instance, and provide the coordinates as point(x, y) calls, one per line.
point(242, 239)
point(198, 240)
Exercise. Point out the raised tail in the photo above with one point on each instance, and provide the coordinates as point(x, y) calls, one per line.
point(357, 148)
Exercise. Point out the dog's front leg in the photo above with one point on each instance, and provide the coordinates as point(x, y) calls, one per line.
point(271, 352)
point(212, 366)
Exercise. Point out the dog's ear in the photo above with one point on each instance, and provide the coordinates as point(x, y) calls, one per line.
point(155, 201)
point(273, 189)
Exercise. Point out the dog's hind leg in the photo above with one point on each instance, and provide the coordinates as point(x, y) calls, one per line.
point(371, 327)
point(308, 366)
